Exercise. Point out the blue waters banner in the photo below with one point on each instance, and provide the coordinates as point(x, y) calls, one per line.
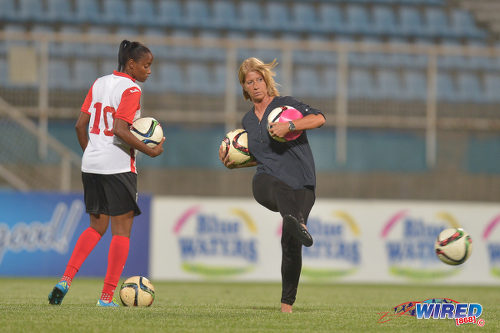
point(38, 231)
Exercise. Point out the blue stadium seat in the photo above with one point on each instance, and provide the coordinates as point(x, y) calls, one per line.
point(388, 85)
point(469, 88)
point(463, 24)
point(329, 80)
point(446, 90)
point(361, 85)
point(492, 87)
point(331, 19)
point(304, 18)
point(451, 61)
point(99, 50)
point(170, 14)
point(65, 49)
point(59, 74)
point(218, 85)
point(384, 21)
point(143, 13)
point(197, 15)
point(414, 85)
point(358, 21)
point(3, 72)
point(60, 11)
point(306, 82)
point(85, 73)
point(277, 17)
point(208, 52)
point(250, 15)
point(198, 78)
point(171, 78)
point(115, 12)
point(410, 22)
point(181, 51)
point(436, 23)
point(32, 11)
point(108, 66)
point(224, 15)
point(162, 51)
point(8, 11)
point(88, 11)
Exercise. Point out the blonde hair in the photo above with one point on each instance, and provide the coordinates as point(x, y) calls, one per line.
point(257, 65)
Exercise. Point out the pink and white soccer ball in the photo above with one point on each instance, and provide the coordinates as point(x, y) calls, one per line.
point(284, 114)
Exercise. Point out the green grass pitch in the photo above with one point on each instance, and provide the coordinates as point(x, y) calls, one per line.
point(235, 307)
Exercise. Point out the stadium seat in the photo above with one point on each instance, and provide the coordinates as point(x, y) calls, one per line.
point(361, 85)
point(469, 88)
point(171, 78)
point(329, 81)
point(492, 88)
point(159, 51)
point(143, 13)
point(410, 22)
point(224, 15)
point(59, 74)
point(445, 88)
point(358, 21)
point(115, 12)
point(208, 52)
point(170, 14)
point(436, 23)
point(3, 72)
point(384, 21)
point(32, 11)
point(60, 11)
point(250, 15)
point(198, 78)
point(463, 24)
point(304, 18)
point(388, 85)
point(277, 17)
point(100, 50)
point(85, 73)
point(414, 85)
point(88, 11)
point(183, 51)
point(197, 15)
point(331, 19)
point(218, 85)
point(451, 61)
point(306, 82)
point(66, 49)
point(8, 11)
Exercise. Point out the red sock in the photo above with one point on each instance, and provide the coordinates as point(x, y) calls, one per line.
point(85, 244)
point(117, 257)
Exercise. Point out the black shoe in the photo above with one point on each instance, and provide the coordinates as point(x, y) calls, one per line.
point(296, 229)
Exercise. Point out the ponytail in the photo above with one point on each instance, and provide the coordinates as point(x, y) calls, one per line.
point(130, 50)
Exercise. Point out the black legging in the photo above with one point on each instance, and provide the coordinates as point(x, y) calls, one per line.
point(277, 196)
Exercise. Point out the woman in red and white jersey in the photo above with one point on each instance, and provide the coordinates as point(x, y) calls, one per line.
point(109, 173)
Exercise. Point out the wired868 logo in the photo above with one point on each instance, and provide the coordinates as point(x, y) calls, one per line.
point(437, 308)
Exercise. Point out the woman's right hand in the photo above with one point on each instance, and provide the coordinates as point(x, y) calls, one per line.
point(224, 157)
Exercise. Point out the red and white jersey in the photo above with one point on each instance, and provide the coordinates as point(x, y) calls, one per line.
point(112, 96)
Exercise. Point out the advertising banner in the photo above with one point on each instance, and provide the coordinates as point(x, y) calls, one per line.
point(38, 232)
point(354, 241)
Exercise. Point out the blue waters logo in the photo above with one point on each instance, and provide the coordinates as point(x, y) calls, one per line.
point(216, 245)
point(409, 244)
point(336, 252)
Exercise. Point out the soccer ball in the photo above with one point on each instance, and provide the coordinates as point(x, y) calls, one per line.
point(236, 145)
point(137, 291)
point(148, 130)
point(453, 246)
point(283, 114)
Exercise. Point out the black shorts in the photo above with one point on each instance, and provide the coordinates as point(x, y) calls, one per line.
point(112, 195)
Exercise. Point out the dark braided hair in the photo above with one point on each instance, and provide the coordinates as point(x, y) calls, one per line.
point(130, 50)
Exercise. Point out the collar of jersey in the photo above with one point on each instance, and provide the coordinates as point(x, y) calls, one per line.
point(123, 74)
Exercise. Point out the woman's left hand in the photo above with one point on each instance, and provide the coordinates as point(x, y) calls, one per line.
point(278, 129)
